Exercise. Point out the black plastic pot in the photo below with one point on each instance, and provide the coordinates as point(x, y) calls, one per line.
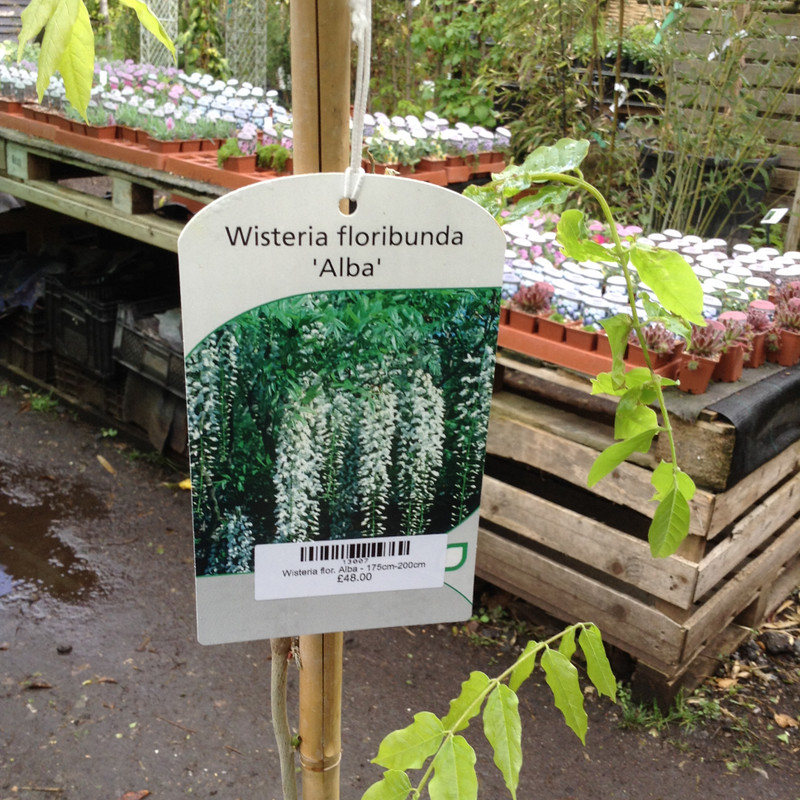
point(740, 204)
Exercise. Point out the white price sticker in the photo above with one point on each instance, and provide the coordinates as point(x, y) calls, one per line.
point(303, 569)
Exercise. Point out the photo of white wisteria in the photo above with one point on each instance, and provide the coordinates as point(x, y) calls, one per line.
point(339, 415)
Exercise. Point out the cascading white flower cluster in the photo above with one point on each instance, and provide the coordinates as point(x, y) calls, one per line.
point(232, 543)
point(471, 424)
point(301, 448)
point(420, 429)
point(212, 379)
point(375, 436)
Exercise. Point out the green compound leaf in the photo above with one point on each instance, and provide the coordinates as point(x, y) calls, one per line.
point(503, 729)
point(618, 329)
point(454, 775)
point(573, 237)
point(666, 477)
point(604, 384)
point(545, 196)
point(564, 156)
point(669, 275)
point(614, 455)
point(567, 644)
point(34, 18)
point(394, 785)
point(57, 36)
point(149, 21)
point(562, 678)
point(670, 525)
point(524, 666)
point(77, 62)
point(466, 705)
point(411, 747)
point(597, 666)
point(632, 417)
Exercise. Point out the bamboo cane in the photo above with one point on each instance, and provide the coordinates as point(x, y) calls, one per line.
point(321, 111)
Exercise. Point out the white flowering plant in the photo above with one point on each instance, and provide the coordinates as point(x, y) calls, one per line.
point(339, 415)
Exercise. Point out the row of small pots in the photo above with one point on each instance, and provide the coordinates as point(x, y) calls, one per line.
point(693, 372)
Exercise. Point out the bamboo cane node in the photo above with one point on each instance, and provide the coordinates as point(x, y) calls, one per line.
point(325, 764)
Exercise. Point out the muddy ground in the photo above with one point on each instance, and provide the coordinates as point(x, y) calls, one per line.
point(104, 690)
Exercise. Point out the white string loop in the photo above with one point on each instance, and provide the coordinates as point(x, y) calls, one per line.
point(361, 21)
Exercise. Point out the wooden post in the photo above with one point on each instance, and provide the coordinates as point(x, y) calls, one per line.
point(321, 113)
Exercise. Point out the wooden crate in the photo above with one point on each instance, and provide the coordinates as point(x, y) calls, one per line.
point(582, 554)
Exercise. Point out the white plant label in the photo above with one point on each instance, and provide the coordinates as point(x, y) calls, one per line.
point(339, 372)
point(351, 566)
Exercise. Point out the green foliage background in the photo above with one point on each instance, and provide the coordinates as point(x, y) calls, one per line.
point(339, 414)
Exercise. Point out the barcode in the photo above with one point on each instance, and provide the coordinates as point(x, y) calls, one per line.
point(341, 550)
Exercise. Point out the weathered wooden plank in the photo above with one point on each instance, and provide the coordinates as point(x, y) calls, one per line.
point(750, 532)
point(756, 50)
point(571, 597)
point(733, 503)
point(793, 228)
point(23, 164)
point(705, 450)
point(649, 683)
point(131, 198)
point(145, 176)
point(564, 444)
point(777, 17)
point(737, 593)
point(772, 595)
point(604, 548)
point(784, 180)
point(706, 445)
point(145, 227)
point(778, 77)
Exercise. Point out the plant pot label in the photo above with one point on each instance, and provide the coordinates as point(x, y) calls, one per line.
point(339, 372)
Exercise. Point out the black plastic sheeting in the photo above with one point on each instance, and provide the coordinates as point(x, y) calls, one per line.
point(766, 416)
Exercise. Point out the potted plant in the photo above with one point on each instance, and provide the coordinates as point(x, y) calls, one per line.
point(760, 324)
point(659, 342)
point(101, 122)
point(736, 342)
point(231, 157)
point(580, 336)
point(700, 357)
point(529, 305)
point(787, 321)
point(273, 157)
point(161, 134)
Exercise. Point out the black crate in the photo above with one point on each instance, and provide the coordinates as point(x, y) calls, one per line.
point(145, 354)
point(23, 342)
point(80, 329)
point(102, 394)
point(38, 363)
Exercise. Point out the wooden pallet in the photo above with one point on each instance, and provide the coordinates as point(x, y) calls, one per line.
point(38, 170)
point(582, 554)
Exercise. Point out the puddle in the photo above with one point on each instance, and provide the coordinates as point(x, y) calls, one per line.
point(37, 518)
